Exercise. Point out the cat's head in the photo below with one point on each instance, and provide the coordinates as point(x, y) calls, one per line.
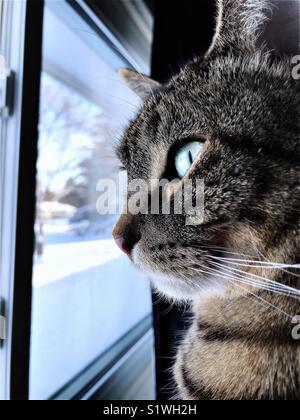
point(231, 119)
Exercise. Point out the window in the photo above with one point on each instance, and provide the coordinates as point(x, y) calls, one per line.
point(12, 15)
point(90, 307)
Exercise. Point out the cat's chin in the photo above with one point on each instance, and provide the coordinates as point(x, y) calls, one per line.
point(173, 287)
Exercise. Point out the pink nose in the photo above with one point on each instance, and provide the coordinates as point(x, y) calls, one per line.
point(125, 247)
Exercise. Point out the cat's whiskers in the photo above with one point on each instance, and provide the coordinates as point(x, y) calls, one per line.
point(264, 280)
point(259, 282)
point(265, 264)
point(264, 301)
point(229, 266)
point(253, 263)
point(261, 255)
point(260, 264)
point(273, 287)
point(221, 249)
point(227, 274)
point(232, 279)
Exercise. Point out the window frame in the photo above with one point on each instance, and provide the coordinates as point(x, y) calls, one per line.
point(95, 380)
point(14, 46)
point(24, 239)
point(15, 353)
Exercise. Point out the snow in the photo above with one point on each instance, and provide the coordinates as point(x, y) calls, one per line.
point(56, 265)
point(86, 296)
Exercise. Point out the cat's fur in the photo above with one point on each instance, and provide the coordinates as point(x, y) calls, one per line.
point(246, 104)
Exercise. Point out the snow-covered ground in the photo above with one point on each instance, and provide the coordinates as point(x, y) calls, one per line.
point(86, 296)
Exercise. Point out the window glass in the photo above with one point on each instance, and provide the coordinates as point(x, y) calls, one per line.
point(86, 294)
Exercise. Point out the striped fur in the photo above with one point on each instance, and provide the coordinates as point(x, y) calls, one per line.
point(240, 349)
point(240, 267)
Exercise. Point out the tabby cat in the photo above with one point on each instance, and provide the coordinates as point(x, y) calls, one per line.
point(232, 119)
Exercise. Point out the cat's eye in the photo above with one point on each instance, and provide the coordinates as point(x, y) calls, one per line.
point(186, 155)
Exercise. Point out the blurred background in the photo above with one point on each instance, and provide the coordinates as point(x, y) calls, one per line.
point(91, 311)
point(86, 294)
point(77, 321)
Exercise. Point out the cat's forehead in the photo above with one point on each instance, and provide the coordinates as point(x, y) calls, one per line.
point(169, 113)
point(229, 96)
point(164, 118)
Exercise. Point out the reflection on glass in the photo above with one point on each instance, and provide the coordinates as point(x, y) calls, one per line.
point(86, 295)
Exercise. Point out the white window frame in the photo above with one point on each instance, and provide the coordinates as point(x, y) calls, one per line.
point(12, 48)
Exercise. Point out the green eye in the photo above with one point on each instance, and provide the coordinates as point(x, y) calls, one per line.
point(186, 155)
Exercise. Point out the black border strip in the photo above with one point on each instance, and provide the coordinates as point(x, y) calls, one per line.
point(20, 350)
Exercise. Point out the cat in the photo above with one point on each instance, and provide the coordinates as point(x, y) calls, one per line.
point(232, 119)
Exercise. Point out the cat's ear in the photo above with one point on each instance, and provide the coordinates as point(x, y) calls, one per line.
point(141, 85)
point(239, 24)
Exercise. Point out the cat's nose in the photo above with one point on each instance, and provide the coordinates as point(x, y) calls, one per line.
point(124, 246)
point(126, 234)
